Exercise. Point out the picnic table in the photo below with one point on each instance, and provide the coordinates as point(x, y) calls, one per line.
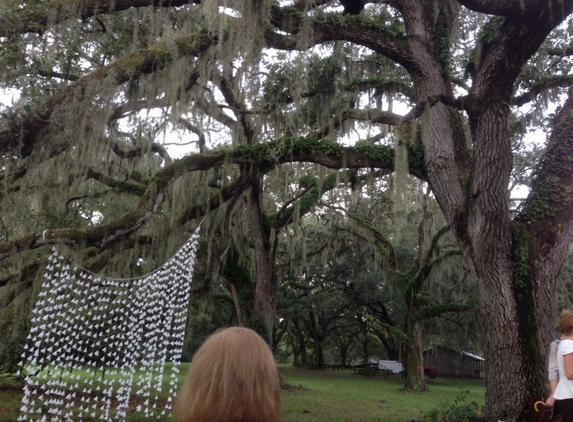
point(366, 369)
point(337, 367)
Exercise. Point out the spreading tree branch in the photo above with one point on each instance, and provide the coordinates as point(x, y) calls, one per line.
point(559, 81)
point(372, 115)
point(227, 193)
point(58, 75)
point(265, 156)
point(561, 52)
point(434, 311)
point(192, 128)
point(120, 186)
point(507, 44)
point(358, 30)
point(38, 17)
point(124, 69)
point(514, 8)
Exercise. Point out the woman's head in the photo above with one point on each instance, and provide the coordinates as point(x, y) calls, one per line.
point(232, 378)
point(566, 322)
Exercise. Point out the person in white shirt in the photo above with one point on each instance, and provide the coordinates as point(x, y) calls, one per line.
point(564, 392)
point(553, 372)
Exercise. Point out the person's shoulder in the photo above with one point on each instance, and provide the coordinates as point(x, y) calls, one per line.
point(566, 345)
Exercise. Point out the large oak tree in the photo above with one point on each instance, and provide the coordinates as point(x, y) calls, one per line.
point(85, 166)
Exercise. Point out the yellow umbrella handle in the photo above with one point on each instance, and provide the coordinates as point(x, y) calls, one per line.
point(537, 404)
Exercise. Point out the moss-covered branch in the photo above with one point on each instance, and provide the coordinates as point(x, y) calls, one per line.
point(266, 156)
point(435, 311)
point(543, 85)
point(413, 279)
point(372, 115)
point(435, 241)
point(114, 231)
point(379, 37)
point(551, 197)
point(560, 52)
point(305, 203)
point(118, 185)
point(37, 17)
point(28, 130)
point(26, 274)
point(225, 194)
point(381, 86)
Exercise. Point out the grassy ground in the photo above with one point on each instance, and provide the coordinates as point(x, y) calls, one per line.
point(346, 397)
point(329, 396)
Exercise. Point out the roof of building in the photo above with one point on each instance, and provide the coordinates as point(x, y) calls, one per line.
point(475, 357)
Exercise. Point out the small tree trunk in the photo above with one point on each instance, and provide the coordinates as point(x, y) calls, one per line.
point(365, 351)
point(302, 352)
point(343, 353)
point(295, 355)
point(318, 358)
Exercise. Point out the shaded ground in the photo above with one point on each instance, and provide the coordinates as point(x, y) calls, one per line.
point(10, 396)
point(11, 393)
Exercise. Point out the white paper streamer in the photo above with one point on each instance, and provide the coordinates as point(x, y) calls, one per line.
point(95, 343)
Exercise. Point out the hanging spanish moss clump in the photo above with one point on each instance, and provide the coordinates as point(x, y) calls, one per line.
point(98, 345)
point(401, 140)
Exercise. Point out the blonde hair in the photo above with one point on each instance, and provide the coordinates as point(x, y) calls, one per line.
point(566, 321)
point(233, 378)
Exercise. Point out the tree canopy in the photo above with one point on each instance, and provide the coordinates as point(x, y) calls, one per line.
point(134, 119)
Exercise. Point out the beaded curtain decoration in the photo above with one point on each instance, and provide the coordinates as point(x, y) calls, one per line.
point(100, 347)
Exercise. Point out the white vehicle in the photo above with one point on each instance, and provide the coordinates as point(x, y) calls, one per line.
point(392, 365)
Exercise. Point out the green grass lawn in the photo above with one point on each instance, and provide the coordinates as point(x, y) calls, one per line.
point(329, 396)
point(344, 396)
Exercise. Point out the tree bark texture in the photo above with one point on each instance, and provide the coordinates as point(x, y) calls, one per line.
point(413, 356)
point(265, 290)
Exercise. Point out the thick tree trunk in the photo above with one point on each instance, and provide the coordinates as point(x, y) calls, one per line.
point(483, 231)
point(517, 316)
point(241, 285)
point(503, 355)
point(515, 274)
point(475, 204)
point(265, 299)
point(413, 356)
point(517, 263)
point(491, 257)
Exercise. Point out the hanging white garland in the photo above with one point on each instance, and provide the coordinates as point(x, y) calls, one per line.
point(96, 342)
